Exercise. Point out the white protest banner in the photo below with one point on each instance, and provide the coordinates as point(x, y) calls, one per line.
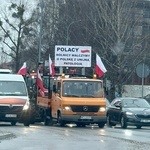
point(72, 56)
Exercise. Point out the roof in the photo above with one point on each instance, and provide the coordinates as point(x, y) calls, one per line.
point(11, 77)
point(5, 71)
point(77, 77)
point(128, 98)
point(80, 79)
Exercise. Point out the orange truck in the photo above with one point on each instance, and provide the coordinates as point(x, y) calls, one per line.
point(72, 99)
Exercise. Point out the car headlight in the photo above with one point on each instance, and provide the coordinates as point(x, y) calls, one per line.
point(26, 106)
point(129, 113)
point(67, 108)
point(102, 109)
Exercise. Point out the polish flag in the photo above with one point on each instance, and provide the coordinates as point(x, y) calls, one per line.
point(39, 83)
point(51, 67)
point(99, 68)
point(23, 69)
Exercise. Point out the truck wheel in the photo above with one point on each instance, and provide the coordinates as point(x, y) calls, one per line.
point(27, 123)
point(78, 124)
point(33, 113)
point(60, 121)
point(46, 121)
point(83, 125)
point(51, 122)
point(13, 123)
point(101, 125)
point(138, 127)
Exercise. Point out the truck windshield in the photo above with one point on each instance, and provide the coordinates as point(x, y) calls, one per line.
point(12, 88)
point(82, 89)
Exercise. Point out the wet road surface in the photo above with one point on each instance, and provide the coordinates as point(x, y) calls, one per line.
point(40, 137)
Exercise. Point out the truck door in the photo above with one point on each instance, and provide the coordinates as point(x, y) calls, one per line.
point(56, 100)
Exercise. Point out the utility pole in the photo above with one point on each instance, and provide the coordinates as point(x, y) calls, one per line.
point(40, 34)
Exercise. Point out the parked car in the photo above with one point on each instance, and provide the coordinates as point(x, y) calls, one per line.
point(107, 103)
point(147, 97)
point(128, 111)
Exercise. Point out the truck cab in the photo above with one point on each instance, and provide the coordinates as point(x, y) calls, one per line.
point(79, 100)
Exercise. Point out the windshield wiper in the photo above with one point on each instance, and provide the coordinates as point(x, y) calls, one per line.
point(86, 95)
point(11, 94)
point(72, 95)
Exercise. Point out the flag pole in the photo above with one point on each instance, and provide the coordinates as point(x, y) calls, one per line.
point(49, 87)
point(49, 79)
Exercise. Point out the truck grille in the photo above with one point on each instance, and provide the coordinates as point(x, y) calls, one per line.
point(85, 108)
point(143, 116)
point(10, 109)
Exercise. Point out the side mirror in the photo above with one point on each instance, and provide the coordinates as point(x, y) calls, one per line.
point(54, 89)
point(118, 105)
point(50, 94)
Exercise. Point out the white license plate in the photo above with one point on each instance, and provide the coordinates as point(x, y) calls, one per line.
point(85, 117)
point(145, 120)
point(11, 115)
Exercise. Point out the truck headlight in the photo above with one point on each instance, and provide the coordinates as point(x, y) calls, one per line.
point(102, 109)
point(67, 108)
point(26, 106)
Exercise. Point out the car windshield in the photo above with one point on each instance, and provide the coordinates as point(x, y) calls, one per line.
point(12, 88)
point(135, 103)
point(82, 89)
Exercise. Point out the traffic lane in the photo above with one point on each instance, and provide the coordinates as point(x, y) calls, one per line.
point(131, 133)
point(43, 137)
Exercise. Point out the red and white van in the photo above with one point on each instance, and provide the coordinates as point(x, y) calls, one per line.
point(14, 99)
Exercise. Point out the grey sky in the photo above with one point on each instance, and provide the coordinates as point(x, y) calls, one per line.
point(4, 4)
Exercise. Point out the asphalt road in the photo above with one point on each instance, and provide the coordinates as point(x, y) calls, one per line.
point(40, 137)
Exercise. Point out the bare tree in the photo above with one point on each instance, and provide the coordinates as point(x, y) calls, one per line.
point(117, 34)
point(14, 29)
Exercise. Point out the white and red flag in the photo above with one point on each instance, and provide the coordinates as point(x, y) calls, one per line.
point(23, 69)
point(99, 68)
point(39, 83)
point(51, 67)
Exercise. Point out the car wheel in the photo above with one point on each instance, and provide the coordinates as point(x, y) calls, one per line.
point(101, 125)
point(13, 123)
point(109, 123)
point(26, 123)
point(139, 127)
point(60, 121)
point(78, 124)
point(123, 122)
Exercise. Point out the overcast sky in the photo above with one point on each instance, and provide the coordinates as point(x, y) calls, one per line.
point(29, 3)
point(4, 4)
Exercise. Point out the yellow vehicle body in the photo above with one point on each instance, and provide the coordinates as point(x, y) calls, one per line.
point(86, 106)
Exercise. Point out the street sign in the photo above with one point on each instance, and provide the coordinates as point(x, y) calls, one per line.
point(142, 70)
